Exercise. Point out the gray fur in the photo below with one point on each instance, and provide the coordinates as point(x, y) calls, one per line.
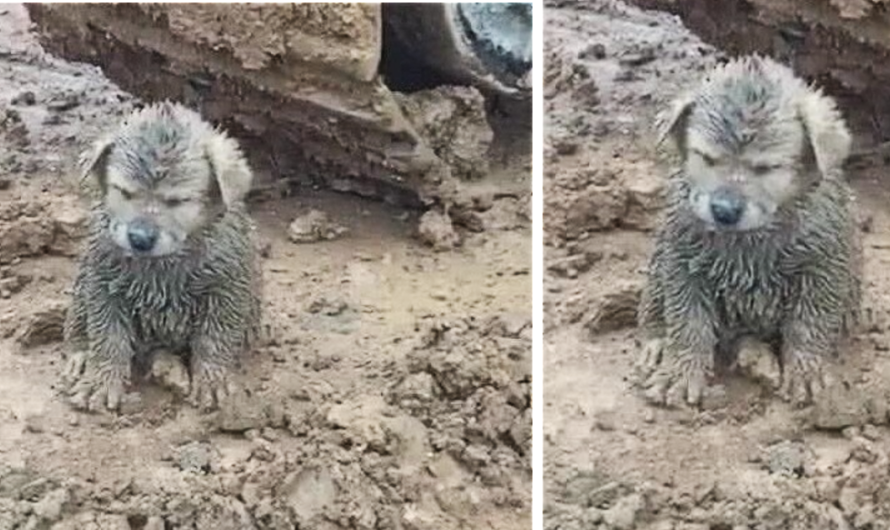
point(793, 280)
point(202, 298)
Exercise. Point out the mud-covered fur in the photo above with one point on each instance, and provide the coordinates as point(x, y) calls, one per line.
point(196, 290)
point(787, 271)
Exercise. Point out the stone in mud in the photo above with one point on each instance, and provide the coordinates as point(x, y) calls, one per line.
point(43, 326)
point(435, 229)
point(315, 226)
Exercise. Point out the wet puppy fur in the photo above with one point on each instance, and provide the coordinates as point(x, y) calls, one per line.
point(170, 262)
point(759, 239)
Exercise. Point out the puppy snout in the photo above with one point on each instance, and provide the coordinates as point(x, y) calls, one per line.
point(143, 234)
point(727, 206)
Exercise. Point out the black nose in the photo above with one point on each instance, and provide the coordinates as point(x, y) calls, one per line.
point(142, 235)
point(727, 206)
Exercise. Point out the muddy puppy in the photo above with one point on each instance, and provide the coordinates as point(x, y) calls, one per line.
point(170, 262)
point(759, 240)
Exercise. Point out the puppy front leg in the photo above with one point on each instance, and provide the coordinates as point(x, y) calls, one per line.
point(682, 361)
point(813, 330)
point(216, 349)
point(101, 374)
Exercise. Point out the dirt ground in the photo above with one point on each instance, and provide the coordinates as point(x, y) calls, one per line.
point(746, 460)
point(393, 392)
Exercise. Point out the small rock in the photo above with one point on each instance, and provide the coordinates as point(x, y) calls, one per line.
point(64, 103)
point(50, 507)
point(195, 456)
point(565, 146)
point(616, 310)
point(646, 55)
point(70, 227)
point(786, 459)
point(596, 51)
point(14, 128)
point(314, 226)
point(570, 266)
point(645, 199)
point(435, 229)
point(606, 420)
point(14, 284)
point(623, 515)
point(330, 307)
point(170, 372)
point(43, 326)
point(154, 523)
point(26, 98)
point(838, 407)
point(239, 413)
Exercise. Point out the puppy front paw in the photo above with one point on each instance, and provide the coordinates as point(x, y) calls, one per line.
point(91, 387)
point(671, 378)
point(211, 385)
point(804, 377)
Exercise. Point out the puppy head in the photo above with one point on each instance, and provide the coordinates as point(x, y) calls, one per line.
point(164, 176)
point(754, 138)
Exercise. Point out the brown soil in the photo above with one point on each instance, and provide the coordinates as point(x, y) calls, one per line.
point(393, 392)
point(746, 460)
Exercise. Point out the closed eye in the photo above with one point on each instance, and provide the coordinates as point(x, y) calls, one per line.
point(762, 169)
point(173, 202)
point(707, 159)
point(127, 195)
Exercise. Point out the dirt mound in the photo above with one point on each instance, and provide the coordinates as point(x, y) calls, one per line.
point(470, 382)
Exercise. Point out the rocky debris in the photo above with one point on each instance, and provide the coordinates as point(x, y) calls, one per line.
point(582, 201)
point(70, 228)
point(25, 98)
point(787, 459)
point(43, 326)
point(452, 121)
point(241, 412)
point(469, 381)
point(328, 306)
point(195, 457)
point(615, 310)
point(840, 406)
point(625, 513)
point(435, 229)
point(573, 265)
point(12, 128)
point(315, 226)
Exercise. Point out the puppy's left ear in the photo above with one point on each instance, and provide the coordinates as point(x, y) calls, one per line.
point(673, 123)
point(229, 169)
point(94, 163)
point(825, 132)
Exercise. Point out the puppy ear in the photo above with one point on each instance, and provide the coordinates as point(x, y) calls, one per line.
point(94, 163)
point(673, 122)
point(825, 132)
point(228, 168)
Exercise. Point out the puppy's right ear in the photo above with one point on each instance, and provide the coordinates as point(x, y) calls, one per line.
point(228, 168)
point(94, 164)
point(673, 123)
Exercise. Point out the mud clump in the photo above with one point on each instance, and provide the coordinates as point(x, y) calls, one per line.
point(436, 230)
point(615, 310)
point(469, 382)
point(43, 326)
point(315, 226)
point(453, 122)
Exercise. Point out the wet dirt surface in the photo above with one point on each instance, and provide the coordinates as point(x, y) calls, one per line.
point(746, 460)
point(393, 391)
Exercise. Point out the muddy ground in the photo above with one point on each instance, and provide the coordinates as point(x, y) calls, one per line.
point(393, 391)
point(746, 460)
